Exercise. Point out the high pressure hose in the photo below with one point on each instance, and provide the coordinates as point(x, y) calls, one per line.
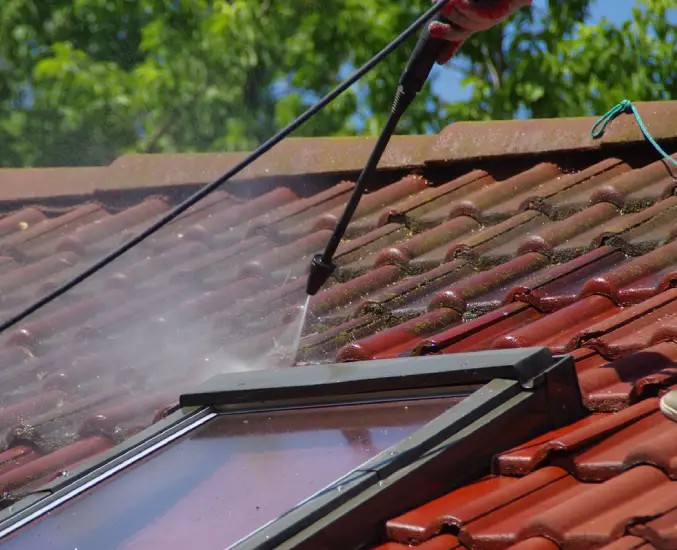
point(414, 80)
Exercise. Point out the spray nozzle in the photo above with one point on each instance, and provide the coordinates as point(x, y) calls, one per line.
point(320, 271)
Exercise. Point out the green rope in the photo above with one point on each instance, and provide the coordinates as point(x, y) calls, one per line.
point(626, 106)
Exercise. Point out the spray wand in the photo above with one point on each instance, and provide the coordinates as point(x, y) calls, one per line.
point(412, 81)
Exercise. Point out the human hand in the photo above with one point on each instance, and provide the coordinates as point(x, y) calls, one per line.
point(466, 17)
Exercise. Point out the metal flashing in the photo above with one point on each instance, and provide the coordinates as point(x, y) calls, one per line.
point(316, 383)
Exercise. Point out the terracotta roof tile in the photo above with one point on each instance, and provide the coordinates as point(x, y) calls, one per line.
point(660, 532)
point(399, 337)
point(53, 462)
point(535, 234)
point(608, 385)
point(569, 513)
point(484, 291)
point(443, 542)
point(570, 193)
point(558, 286)
point(629, 543)
point(572, 439)
point(499, 201)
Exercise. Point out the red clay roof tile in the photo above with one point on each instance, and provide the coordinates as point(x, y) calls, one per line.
point(489, 285)
point(399, 337)
point(661, 532)
point(563, 330)
point(465, 504)
point(442, 542)
point(558, 286)
point(629, 543)
point(15, 457)
point(599, 514)
point(462, 256)
point(427, 241)
point(628, 379)
point(501, 200)
point(51, 463)
point(411, 209)
point(570, 439)
point(21, 220)
point(570, 193)
point(372, 203)
point(480, 333)
point(650, 440)
point(42, 238)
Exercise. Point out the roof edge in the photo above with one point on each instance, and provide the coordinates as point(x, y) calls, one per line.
point(325, 156)
point(474, 140)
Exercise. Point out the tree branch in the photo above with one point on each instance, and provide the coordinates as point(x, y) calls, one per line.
point(493, 72)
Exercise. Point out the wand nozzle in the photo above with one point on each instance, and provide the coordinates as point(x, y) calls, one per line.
point(320, 271)
point(421, 62)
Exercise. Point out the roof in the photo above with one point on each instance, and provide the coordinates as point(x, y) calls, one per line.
point(487, 236)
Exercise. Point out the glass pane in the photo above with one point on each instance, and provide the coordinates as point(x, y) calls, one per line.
point(229, 478)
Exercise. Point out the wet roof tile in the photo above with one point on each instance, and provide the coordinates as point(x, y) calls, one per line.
point(443, 542)
point(629, 543)
point(569, 193)
point(560, 285)
point(372, 203)
point(608, 385)
point(53, 462)
point(572, 439)
point(399, 337)
point(660, 532)
point(502, 200)
point(446, 258)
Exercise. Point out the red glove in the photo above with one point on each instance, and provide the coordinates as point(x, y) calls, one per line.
point(469, 16)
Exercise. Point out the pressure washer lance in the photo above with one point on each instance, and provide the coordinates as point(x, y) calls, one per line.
point(411, 83)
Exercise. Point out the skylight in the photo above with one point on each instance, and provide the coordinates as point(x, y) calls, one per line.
point(268, 455)
point(230, 477)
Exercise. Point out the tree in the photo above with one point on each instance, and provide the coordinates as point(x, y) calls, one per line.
point(554, 65)
point(83, 81)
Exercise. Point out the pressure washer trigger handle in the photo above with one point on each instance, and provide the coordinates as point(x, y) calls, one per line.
point(422, 59)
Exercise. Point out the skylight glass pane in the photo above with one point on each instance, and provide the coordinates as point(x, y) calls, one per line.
point(229, 478)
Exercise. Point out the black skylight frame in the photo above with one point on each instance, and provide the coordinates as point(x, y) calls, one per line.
point(520, 393)
point(517, 395)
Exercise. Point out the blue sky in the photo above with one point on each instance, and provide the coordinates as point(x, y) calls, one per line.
point(448, 85)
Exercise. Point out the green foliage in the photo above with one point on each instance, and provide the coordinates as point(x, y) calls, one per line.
point(553, 65)
point(83, 81)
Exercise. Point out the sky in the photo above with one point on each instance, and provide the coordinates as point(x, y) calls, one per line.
point(448, 85)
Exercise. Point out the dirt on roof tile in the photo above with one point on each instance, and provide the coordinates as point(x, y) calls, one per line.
point(454, 255)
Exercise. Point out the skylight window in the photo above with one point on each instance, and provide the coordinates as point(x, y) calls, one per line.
point(231, 476)
point(271, 454)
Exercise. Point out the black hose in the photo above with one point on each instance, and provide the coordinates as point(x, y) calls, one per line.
point(210, 188)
